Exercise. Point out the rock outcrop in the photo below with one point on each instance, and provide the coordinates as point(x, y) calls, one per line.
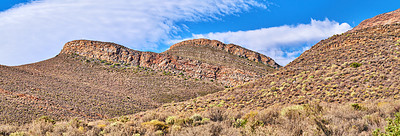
point(232, 49)
point(382, 19)
point(229, 76)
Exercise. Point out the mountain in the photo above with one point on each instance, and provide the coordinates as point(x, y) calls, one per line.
point(382, 19)
point(97, 80)
point(356, 66)
point(200, 58)
point(347, 84)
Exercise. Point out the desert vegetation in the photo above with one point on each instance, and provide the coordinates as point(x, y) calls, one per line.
point(375, 118)
point(347, 84)
point(74, 86)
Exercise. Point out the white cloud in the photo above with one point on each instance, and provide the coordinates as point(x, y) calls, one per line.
point(275, 41)
point(38, 30)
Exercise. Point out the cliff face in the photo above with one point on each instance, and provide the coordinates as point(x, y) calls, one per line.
point(382, 19)
point(228, 76)
point(232, 49)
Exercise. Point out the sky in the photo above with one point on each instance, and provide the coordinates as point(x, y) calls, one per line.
point(36, 30)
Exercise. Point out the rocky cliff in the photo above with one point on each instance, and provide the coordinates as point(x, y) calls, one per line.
point(226, 75)
point(230, 48)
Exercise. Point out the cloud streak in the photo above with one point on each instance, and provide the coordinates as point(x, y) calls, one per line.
point(38, 30)
point(283, 43)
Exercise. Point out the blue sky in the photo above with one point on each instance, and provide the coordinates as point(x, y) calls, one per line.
point(36, 30)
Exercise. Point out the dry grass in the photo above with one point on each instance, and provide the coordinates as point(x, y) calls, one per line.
point(296, 120)
point(69, 86)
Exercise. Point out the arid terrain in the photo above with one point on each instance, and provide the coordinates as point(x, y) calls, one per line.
point(98, 80)
point(347, 84)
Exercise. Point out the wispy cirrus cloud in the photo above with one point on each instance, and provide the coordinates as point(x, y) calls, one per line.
point(38, 30)
point(282, 43)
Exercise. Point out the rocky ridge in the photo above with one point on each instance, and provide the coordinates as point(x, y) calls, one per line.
point(382, 19)
point(229, 76)
point(230, 48)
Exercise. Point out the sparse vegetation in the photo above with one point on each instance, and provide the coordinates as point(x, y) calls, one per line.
point(345, 85)
point(355, 65)
point(138, 89)
point(306, 119)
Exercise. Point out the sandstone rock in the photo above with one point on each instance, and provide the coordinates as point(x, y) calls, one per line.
point(229, 76)
point(230, 48)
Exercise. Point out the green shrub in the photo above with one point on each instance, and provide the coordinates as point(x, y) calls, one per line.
point(19, 134)
point(393, 128)
point(355, 65)
point(196, 117)
point(47, 119)
point(155, 125)
point(240, 123)
point(356, 106)
point(170, 120)
point(123, 119)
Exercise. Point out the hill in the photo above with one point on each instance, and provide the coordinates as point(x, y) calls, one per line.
point(98, 80)
point(347, 84)
point(382, 19)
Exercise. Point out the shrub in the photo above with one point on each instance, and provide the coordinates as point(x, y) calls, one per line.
point(19, 134)
point(250, 115)
point(216, 114)
point(196, 117)
point(355, 65)
point(123, 119)
point(356, 106)
point(47, 119)
point(170, 120)
point(393, 128)
point(240, 123)
point(155, 125)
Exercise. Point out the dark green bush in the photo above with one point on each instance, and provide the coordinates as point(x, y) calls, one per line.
point(355, 65)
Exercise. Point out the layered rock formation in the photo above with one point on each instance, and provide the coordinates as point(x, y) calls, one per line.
point(115, 53)
point(232, 49)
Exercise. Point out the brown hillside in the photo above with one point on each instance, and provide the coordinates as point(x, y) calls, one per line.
point(348, 84)
point(97, 80)
point(70, 86)
point(382, 19)
point(359, 66)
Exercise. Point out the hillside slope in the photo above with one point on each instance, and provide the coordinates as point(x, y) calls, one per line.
point(382, 19)
point(355, 66)
point(360, 67)
point(97, 80)
point(348, 84)
point(68, 86)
